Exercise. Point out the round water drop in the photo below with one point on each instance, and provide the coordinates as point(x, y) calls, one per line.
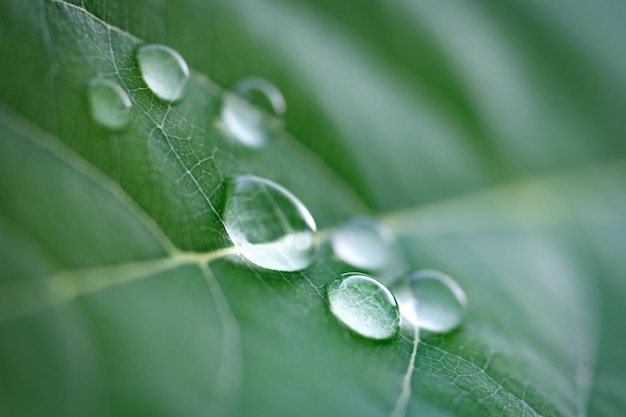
point(432, 301)
point(164, 71)
point(364, 305)
point(110, 104)
point(363, 242)
point(246, 122)
point(268, 225)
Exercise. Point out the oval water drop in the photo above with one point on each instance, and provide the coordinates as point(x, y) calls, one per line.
point(268, 225)
point(164, 71)
point(109, 103)
point(246, 122)
point(431, 301)
point(363, 242)
point(364, 305)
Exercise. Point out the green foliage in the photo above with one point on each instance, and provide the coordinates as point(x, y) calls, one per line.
point(489, 137)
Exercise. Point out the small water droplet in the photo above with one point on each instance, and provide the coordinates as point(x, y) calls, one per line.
point(431, 301)
point(110, 104)
point(268, 225)
point(164, 71)
point(364, 305)
point(246, 122)
point(363, 242)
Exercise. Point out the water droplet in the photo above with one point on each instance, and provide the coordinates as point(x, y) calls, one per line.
point(364, 305)
point(431, 301)
point(363, 242)
point(246, 122)
point(248, 86)
point(163, 70)
point(110, 104)
point(268, 225)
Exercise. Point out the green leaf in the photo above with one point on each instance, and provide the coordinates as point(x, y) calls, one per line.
point(488, 137)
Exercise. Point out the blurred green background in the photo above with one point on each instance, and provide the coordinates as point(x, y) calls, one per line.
point(489, 136)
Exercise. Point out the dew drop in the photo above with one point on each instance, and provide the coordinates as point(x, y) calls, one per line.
point(164, 71)
point(268, 225)
point(363, 242)
point(431, 301)
point(364, 305)
point(246, 122)
point(109, 103)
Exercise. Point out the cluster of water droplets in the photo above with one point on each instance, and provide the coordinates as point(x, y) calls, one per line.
point(163, 70)
point(424, 300)
point(166, 74)
point(271, 228)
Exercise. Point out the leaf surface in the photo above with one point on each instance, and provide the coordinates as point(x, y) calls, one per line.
point(483, 135)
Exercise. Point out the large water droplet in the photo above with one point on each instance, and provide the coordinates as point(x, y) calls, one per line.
point(110, 104)
point(268, 225)
point(163, 70)
point(364, 305)
point(363, 242)
point(431, 301)
point(247, 123)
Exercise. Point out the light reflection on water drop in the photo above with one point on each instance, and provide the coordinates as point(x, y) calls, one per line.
point(246, 122)
point(109, 104)
point(363, 242)
point(164, 71)
point(268, 225)
point(431, 301)
point(364, 305)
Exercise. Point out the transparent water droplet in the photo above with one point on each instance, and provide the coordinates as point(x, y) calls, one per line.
point(431, 301)
point(363, 242)
point(268, 225)
point(246, 122)
point(164, 71)
point(109, 103)
point(364, 305)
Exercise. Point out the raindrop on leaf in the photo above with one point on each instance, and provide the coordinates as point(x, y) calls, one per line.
point(110, 105)
point(246, 122)
point(268, 225)
point(364, 305)
point(431, 301)
point(363, 242)
point(164, 71)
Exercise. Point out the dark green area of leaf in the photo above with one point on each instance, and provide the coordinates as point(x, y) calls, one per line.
point(489, 136)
